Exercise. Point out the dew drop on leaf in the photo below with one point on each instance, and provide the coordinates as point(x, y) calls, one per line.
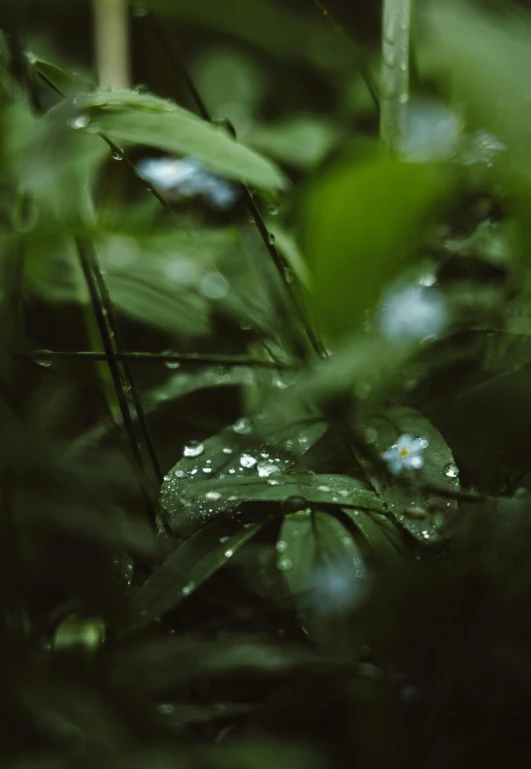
point(188, 588)
point(193, 449)
point(247, 460)
point(265, 469)
point(81, 121)
point(284, 563)
point(228, 553)
point(281, 546)
point(242, 426)
point(451, 470)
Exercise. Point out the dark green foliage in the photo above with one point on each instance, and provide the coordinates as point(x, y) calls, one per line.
point(265, 464)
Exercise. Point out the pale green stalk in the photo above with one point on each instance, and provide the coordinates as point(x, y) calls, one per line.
point(395, 70)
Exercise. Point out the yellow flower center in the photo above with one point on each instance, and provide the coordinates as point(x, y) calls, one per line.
point(404, 452)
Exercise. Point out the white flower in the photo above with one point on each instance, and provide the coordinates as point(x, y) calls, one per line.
point(405, 454)
point(412, 312)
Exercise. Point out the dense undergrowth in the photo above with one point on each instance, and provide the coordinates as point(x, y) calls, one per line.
point(265, 375)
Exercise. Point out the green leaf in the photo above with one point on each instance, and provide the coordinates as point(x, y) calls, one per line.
point(299, 141)
point(184, 570)
point(65, 81)
point(210, 497)
point(412, 496)
point(385, 551)
point(125, 116)
point(239, 451)
point(362, 224)
point(162, 664)
point(143, 296)
point(325, 571)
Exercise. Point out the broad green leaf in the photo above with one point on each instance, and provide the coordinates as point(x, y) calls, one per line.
point(384, 550)
point(302, 142)
point(240, 451)
point(142, 296)
point(184, 570)
point(210, 497)
point(362, 224)
point(411, 496)
point(162, 664)
point(325, 571)
point(128, 117)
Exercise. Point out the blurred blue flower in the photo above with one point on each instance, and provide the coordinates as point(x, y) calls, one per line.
point(187, 178)
point(412, 312)
point(405, 454)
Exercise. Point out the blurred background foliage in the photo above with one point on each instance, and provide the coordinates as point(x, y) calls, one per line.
point(224, 299)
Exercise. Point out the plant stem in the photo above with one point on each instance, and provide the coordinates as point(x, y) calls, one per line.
point(395, 71)
point(111, 38)
point(197, 359)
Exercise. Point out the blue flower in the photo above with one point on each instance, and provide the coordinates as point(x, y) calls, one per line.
point(405, 454)
point(412, 313)
point(187, 178)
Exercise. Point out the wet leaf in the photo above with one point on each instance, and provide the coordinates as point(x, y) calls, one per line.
point(158, 665)
point(184, 570)
point(325, 570)
point(128, 117)
point(239, 451)
point(410, 494)
point(352, 255)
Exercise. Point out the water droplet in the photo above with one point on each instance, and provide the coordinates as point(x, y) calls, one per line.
point(403, 98)
point(180, 474)
point(323, 488)
point(227, 450)
point(81, 121)
point(214, 286)
point(117, 153)
point(171, 364)
point(212, 496)
point(284, 563)
point(273, 210)
point(193, 449)
point(242, 426)
point(223, 374)
point(295, 504)
point(272, 482)
point(207, 470)
point(42, 360)
point(390, 58)
point(451, 470)
point(415, 512)
point(271, 238)
point(281, 546)
point(228, 553)
point(188, 588)
point(247, 460)
point(265, 469)
point(288, 274)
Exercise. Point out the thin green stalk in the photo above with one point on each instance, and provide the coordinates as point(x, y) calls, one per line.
point(395, 71)
point(360, 61)
point(90, 271)
point(277, 258)
point(197, 359)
